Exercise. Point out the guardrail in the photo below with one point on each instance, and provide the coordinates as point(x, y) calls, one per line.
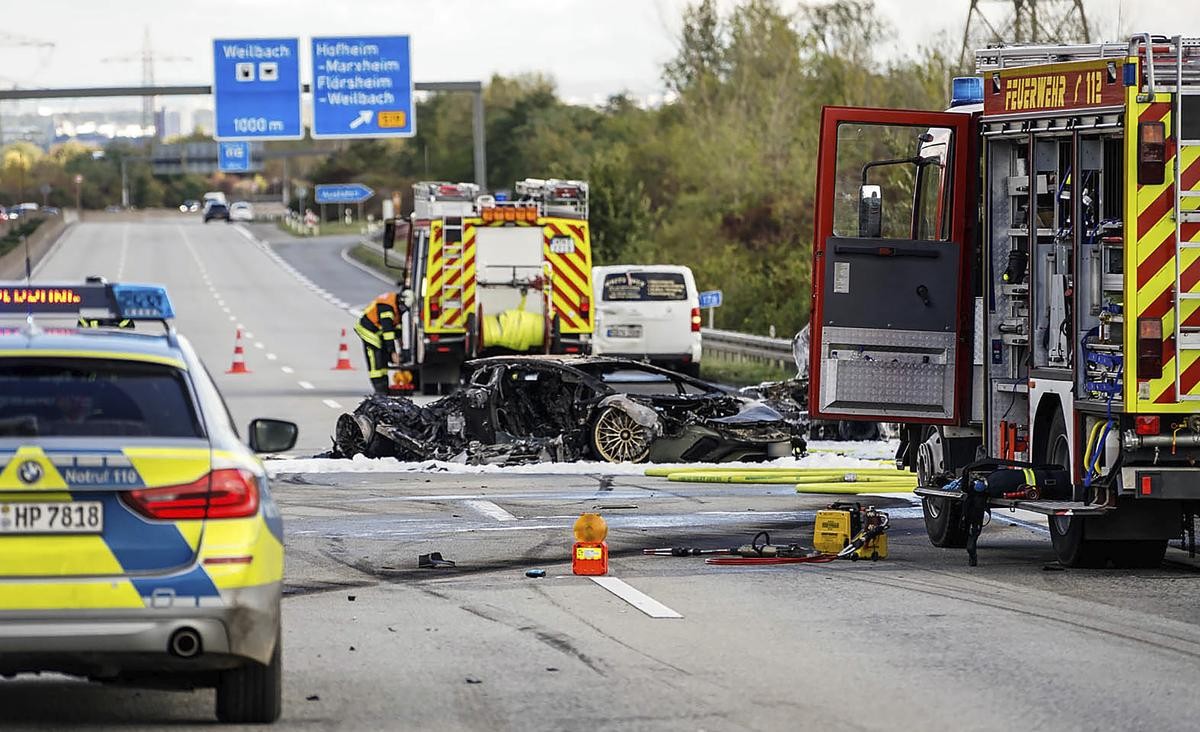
point(736, 346)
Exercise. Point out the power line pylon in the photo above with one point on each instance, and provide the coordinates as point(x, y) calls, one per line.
point(1023, 21)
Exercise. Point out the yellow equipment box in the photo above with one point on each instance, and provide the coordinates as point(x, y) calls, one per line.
point(837, 526)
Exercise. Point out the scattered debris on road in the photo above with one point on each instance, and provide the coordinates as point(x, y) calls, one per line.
point(433, 560)
point(535, 573)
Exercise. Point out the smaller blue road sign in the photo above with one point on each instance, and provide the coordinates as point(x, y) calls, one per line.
point(343, 193)
point(233, 157)
point(711, 299)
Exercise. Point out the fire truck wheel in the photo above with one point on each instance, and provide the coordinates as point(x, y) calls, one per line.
point(471, 344)
point(943, 522)
point(1068, 534)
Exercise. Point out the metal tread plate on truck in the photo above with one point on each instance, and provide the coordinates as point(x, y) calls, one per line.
point(1046, 508)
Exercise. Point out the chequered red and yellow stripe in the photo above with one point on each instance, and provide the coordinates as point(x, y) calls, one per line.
point(450, 278)
point(1150, 265)
point(571, 273)
point(451, 290)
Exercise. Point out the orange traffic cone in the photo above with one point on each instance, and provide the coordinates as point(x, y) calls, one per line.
point(239, 357)
point(343, 362)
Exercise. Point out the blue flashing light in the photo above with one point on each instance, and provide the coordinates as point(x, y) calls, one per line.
point(966, 90)
point(1130, 73)
point(500, 196)
point(147, 302)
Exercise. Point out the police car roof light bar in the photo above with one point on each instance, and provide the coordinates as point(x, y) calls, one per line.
point(99, 300)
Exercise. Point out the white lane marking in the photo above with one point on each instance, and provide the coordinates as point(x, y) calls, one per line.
point(248, 334)
point(331, 404)
point(271, 356)
point(259, 344)
point(491, 510)
point(287, 369)
point(266, 248)
point(124, 253)
point(226, 309)
point(305, 385)
point(637, 598)
point(232, 318)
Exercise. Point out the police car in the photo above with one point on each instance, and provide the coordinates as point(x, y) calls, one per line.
point(138, 539)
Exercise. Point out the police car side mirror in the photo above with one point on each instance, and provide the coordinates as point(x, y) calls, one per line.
point(389, 234)
point(273, 435)
point(870, 212)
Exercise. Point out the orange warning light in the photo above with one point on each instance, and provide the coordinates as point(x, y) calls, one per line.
point(589, 556)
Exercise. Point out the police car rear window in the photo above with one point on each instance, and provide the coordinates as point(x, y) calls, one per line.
point(94, 398)
point(645, 286)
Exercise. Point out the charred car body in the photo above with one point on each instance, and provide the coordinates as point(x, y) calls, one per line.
point(562, 408)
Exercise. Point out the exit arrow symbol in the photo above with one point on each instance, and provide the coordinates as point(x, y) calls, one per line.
point(364, 117)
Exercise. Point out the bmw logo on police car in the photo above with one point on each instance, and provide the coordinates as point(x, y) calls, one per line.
point(29, 472)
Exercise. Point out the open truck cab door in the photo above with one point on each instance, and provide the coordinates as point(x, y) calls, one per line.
point(893, 253)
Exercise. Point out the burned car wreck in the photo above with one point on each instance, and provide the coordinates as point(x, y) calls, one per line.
point(514, 409)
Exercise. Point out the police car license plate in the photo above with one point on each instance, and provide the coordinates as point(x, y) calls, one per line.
point(63, 517)
point(625, 331)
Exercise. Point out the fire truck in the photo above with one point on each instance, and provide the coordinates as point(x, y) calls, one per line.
point(488, 275)
point(1017, 282)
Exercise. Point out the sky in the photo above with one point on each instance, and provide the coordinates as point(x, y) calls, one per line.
point(592, 48)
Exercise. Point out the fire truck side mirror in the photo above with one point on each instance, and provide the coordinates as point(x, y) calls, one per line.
point(389, 234)
point(870, 212)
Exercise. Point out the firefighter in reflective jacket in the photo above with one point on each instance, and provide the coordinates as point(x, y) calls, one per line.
point(380, 331)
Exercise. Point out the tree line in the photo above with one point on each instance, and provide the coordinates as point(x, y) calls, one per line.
point(720, 177)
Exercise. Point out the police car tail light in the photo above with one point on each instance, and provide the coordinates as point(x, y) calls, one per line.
point(224, 493)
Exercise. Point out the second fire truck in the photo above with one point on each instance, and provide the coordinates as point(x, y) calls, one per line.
point(491, 275)
point(1017, 282)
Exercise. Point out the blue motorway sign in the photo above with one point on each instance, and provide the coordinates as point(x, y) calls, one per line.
point(233, 157)
point(362, 87)
point(342, 193)
point(256, 89)
point(711, 299)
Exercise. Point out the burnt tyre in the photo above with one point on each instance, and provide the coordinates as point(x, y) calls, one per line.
point(618, 438)
point(253, 693)
point(1068, 534)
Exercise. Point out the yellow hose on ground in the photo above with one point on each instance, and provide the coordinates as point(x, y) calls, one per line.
point(665, 471)
point(855, 488)
point(787, 478)
point(516, 329)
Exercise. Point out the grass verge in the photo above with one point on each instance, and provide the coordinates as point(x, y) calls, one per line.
point(329, 228)
point(741, 373)
point(368, 256)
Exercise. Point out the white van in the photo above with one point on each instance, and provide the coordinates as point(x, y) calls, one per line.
point(650, 313)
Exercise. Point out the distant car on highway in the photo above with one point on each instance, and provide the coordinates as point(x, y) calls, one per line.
point(216, 210)
point(189, 206)
point(141, 543)
point(241, 211)
point(649, 313)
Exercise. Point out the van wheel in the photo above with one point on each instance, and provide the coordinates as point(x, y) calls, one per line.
point(253, 693)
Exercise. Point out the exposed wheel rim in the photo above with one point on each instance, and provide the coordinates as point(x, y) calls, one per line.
point(619, 439)
point(933, 508)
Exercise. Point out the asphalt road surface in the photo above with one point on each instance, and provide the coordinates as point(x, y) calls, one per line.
point(916, 641)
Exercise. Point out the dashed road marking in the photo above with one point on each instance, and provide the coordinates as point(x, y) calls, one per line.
point(259, 344)
point(635, 597)
point(331, 404)
point(305, 385)
point(271, 356)
point(287, 369)
point(490, 509)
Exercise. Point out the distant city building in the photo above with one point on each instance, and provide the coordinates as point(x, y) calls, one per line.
point(167, 124)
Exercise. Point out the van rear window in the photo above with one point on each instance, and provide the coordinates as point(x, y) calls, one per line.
point(645, 286)
point(94, 398)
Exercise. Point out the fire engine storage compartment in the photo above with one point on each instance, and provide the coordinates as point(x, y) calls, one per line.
point(508, 268)
point(1055, 291)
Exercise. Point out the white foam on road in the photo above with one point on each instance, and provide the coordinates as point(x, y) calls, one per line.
point(859, 455)
point(636, 597)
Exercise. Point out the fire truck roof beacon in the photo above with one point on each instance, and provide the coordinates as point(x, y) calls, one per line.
point(966, 90)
